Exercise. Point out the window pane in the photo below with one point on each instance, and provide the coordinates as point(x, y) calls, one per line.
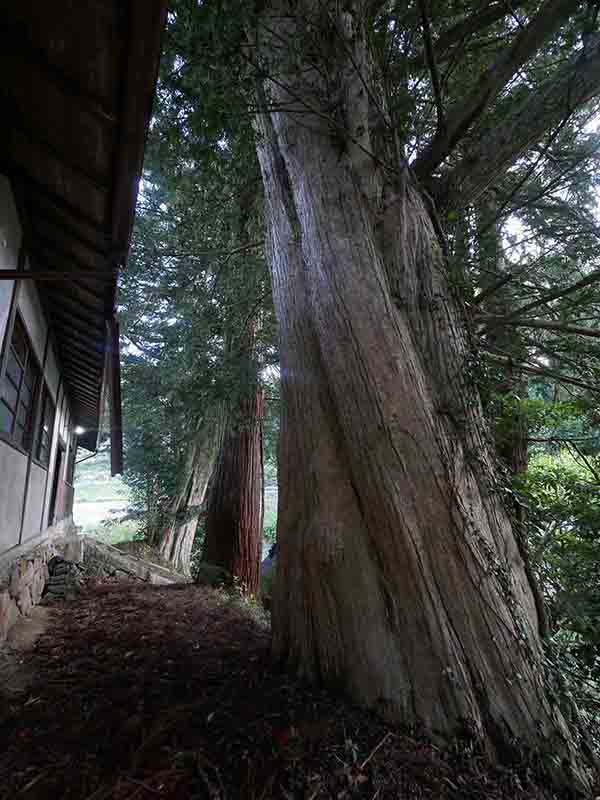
point(25, 396)
point(13, 368)
point(31, 374)
point(9, 394)
point(22, 415)
point(6, 418)
point(19, 341)
point(43, 435)
point(49, 416)
point(20, 435)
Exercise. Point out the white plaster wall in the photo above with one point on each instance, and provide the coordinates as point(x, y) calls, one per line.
point(64, 424)
point(33, 317)
point(52, 374)
point(67, 432)
point(13, 464)
point(53, 449)
point(35, 501)
point(13, 468)
point(10, 242)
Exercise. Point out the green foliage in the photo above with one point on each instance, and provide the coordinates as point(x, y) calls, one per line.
point(197, 550)
point(270, 533)
point(563, 498)
point(561, 492)
point(547, 422)
point(116, 531)
point(196, 281)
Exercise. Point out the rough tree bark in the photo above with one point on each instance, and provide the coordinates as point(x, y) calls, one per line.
point(175, 541)
point(399, 576)
point(234, 515)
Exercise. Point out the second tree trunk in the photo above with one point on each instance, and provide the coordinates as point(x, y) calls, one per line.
point(234, 510)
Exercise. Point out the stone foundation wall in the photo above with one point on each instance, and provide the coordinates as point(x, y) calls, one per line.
point(24, 572)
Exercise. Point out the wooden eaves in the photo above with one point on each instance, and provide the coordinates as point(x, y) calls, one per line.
point(78, 84)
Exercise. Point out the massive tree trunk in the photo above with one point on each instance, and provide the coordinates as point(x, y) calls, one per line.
point(399, 576)
point(234, 510)
point(175, 541)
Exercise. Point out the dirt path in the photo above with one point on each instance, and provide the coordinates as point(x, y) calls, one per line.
point(140, 692)
point(16, 667)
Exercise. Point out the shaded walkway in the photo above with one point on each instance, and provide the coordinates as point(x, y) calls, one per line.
point(144, 692)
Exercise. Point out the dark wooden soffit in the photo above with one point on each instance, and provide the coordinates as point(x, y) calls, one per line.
point(77, 87)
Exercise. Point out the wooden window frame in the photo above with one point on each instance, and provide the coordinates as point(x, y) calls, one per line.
point(45, 396)
point(23, 442)
point(71, 461)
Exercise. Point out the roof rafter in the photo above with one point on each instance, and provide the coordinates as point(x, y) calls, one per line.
point(20, 124)
point(16, 41)
point(21, 174)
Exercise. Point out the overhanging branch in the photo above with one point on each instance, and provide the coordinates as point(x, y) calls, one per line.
point(546, 373)
point(431, 63)
point(542, 27)
point(589, 280)
point(556, 327)
point(481, 19)
point(488, 159)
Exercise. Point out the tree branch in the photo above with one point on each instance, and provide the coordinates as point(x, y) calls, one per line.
point(589, 280)
point(546, 373)
point(558, 327)
point(433, 70)
point(545, 23)
point(572, 86)
point(547, 539)
point(550, 439)
point(585, 460)
point(207, 253)
point(475, 23)
point(485, 293)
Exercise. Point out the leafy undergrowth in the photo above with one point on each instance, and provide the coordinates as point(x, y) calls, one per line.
point(168, 692)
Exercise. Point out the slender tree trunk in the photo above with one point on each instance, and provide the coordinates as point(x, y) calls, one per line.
point(399, 576)
point(176, 539)
point(234, 511)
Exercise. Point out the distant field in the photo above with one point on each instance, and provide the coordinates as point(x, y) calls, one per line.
point(99, 492)
point(101, 502)
point(93, 482)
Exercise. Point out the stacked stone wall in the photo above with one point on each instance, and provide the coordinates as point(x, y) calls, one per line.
point(24, 573)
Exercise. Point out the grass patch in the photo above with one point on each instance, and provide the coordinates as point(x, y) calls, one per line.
point(101, 492)
point(114, 532)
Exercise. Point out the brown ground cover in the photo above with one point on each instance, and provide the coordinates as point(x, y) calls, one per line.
point(141, 692)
